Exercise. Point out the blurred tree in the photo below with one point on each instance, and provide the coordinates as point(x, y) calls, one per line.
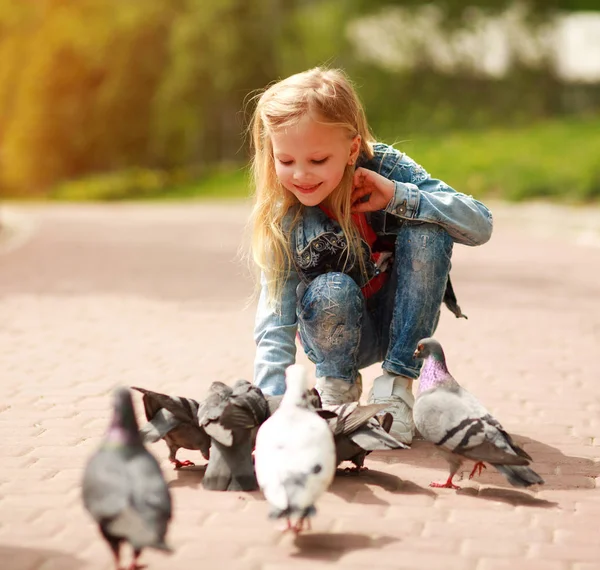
point(218, 53)
point(81, 100)
point(98, 86)
point(456, 9)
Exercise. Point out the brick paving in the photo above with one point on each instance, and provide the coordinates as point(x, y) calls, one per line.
point(155, 295)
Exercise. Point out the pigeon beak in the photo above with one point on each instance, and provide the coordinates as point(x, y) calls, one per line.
point(416, 353)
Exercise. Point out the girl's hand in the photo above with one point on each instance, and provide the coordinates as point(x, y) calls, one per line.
point(371, 191)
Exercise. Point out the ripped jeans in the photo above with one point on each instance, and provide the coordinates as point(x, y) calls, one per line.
point(341, 332)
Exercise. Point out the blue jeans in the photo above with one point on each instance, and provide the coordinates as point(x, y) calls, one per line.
point(341, 332)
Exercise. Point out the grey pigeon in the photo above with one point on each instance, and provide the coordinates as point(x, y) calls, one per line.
point(173, 419)
point(230, 417)
point(453, 419)
point(123, 486)
point(295, 455)
point(357, 432)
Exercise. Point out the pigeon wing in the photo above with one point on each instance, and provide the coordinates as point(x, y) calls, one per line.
point(151, 498)
point(105, 486)
point(184, 409)
point(372, 437)
point(247, 407)
point(352, 416)
point(454, 419)
point(210, 411)
point(159, 426)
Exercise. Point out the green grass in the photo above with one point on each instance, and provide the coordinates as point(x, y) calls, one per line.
point(135, 184)
point(556, 160)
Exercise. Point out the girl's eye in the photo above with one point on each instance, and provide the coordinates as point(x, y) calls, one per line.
point(321, 161)
point(285, 162)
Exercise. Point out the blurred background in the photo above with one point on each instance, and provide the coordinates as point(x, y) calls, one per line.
point(128, 99)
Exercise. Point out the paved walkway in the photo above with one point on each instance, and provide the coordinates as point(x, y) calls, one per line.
point(95, 296)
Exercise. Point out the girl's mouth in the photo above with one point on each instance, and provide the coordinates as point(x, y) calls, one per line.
point(307, 189)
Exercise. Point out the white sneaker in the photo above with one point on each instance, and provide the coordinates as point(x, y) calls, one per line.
point(396, 390)
point(335, 391)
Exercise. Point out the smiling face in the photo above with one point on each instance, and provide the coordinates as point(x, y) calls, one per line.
point(311, 157)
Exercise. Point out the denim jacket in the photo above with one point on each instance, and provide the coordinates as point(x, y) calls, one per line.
point(417, 197)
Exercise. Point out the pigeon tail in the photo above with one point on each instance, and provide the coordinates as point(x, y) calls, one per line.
point(290, 511)
point(520, 476)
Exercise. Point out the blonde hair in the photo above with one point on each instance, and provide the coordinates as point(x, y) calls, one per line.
point(328, 97)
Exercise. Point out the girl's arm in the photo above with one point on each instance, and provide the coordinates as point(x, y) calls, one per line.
point(275, 336)
point(414, 195)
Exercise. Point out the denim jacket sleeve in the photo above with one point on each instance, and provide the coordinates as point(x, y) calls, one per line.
point(275, 336)
point(420, 197)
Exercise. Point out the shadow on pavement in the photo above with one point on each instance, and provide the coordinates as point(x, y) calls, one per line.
point(26, 558)
point(189, 476)
point(559, 471)
point(356, 487)
point(331, 546)
point(509, 496)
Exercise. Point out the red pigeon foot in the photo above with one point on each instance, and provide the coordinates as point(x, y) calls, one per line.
point(477, 469)
point(447, 485)
point(179, 464)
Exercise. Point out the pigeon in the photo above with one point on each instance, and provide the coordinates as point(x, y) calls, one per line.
point(314, 400)
point(173, 419)
point(295, 456)
point(357, 431)
point(230, 417)
point(453, 419)
point(124, 489)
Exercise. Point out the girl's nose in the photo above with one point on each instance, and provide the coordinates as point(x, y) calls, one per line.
point(300, 174)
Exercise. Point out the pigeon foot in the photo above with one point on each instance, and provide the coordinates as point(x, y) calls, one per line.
point(179, 464)
point(299, 526)
point(477, 469)
point(355, 470)
point(287, 526)
point(447, 485)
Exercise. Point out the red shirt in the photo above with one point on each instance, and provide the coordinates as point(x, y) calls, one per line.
point(369, 236)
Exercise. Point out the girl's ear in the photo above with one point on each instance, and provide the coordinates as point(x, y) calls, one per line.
point(354, 149)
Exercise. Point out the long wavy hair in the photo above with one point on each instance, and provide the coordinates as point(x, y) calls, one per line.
point(327, 96)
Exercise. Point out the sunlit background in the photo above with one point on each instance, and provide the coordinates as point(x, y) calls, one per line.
point(125, 99)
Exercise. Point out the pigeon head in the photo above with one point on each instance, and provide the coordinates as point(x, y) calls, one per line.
point(219, 388)
point(434, 371)
point(123, 427)
point(296, 393)
point(240, 384)
point(429, 347)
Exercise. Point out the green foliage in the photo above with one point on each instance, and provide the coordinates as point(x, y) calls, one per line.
point(457, 10)
point(105, 85)
point(150, 89)
point(86, 73)
point(313, 36)
point(217, 53)
point(554, 160)
point(139, 183)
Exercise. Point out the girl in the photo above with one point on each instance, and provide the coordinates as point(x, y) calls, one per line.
point(353, 240)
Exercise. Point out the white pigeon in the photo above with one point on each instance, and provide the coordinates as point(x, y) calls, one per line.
point(295, 456)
